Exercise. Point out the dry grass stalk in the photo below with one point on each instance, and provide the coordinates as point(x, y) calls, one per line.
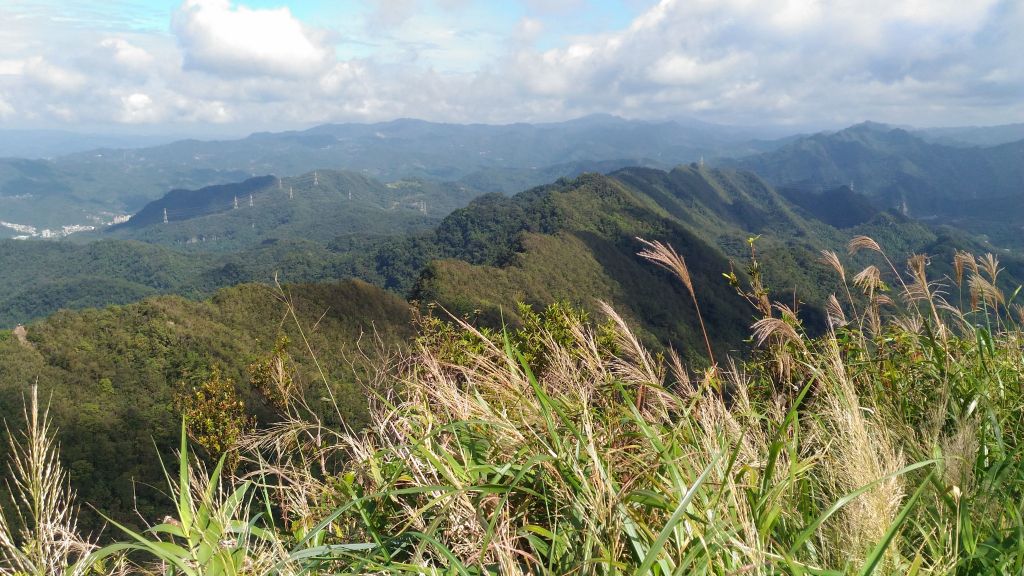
point(858, 243)
point(963, 261)
point(666, 257)
point(832, 259)
point(860, 451)
point(869, 279)
point(984, 291)
point(834, 310)
point(989, 263)
point(773, 328)
point(43, 539)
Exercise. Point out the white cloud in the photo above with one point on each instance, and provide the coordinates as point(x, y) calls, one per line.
point(679, 69)
point(554, 6)
point(12, 67)
point(343, 75)
point(799, 60)
point(218, 37)
point(138, 108)
point(528, 29)
point(42, 72)
point(126, 53)
point(6, 109)
point(819, 62)
point(65, 113)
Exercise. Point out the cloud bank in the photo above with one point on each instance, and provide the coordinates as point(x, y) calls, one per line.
point(789, 62)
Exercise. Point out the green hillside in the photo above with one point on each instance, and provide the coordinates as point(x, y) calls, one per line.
point(576, 240)
point(317, 206)
point(41, 277)
point(110, 375)
point(114, 377)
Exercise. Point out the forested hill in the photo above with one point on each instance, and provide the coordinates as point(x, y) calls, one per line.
point(309, 229)
point(119, 272)
point(324, 225)
point(898, 170)
point(110, 376)
point(317, 206)
point(576, 240)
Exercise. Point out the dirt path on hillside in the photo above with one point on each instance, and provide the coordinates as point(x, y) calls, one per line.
point(22, 335)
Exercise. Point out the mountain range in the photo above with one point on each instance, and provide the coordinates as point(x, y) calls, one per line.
point(92, 187)
point(977, 188)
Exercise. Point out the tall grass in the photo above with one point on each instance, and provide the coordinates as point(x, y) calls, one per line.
point(888, 445)
point(38, 518)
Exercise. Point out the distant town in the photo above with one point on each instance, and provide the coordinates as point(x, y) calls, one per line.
point(26, 232)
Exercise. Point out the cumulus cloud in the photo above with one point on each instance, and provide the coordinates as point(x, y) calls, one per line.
point(44, 73)
point(788, 60)
point(236, 40)
point(127, 54)
point(138, 108)
point(803, 62)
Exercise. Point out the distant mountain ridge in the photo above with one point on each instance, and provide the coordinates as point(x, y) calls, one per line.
point(974, 135)
point(502, 158)
point(897, 169)
point(91, 187)
point(35, 144)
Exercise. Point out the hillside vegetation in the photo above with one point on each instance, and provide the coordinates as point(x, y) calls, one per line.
point(889, 444)
point(571, 240)
point(110, 376)
point(317, 207)
point(576, 240)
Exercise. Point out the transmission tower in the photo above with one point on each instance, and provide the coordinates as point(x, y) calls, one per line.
point(165, 215)
point(236, 203)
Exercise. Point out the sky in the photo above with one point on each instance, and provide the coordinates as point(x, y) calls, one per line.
point(240, 66)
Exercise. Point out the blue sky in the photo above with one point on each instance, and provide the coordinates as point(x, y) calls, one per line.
point(238, 66)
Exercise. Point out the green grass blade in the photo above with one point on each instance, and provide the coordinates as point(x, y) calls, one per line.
point(666, 532)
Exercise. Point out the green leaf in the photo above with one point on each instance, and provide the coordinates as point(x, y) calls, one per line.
point(676, 518)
